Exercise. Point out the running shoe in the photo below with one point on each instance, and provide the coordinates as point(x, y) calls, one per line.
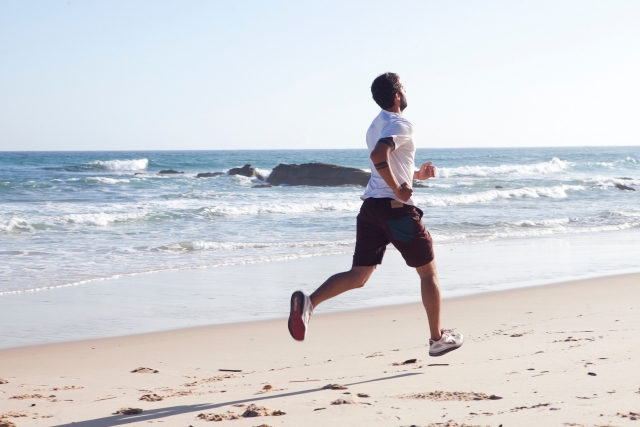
point(301, 310)
point(449, 341)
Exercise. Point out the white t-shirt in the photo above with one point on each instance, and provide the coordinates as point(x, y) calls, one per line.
point(401, 159)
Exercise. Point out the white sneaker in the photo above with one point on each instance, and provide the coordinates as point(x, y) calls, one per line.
point(301, 310)
point(449, 341)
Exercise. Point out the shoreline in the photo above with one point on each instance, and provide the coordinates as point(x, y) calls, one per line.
point(184, 298)
point(366, 310)
point(533, 347)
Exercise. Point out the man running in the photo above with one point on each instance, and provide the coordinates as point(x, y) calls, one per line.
point(388, 215)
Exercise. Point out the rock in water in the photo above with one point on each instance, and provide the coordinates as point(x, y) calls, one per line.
point(247, 171)
point(318, 175)
point(209, 174)
point(624, 187)
point(168, 171)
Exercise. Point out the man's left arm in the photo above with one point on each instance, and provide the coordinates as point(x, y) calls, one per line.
point(426, 171)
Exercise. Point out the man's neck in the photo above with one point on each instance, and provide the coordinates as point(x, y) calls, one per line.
point(394, 109)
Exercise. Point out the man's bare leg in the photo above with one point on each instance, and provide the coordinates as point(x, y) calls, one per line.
point(431, 297)
point(342, 282)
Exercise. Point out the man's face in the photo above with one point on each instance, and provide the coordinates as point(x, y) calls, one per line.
point(403, 98)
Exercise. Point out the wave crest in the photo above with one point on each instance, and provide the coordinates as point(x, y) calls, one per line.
point(554, 165)
point(121, 165)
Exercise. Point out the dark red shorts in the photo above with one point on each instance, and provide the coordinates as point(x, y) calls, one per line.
point(384, 221)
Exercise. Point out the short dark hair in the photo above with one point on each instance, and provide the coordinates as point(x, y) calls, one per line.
point(384, 89)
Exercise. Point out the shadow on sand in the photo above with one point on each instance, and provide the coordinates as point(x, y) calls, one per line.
point(153, 414)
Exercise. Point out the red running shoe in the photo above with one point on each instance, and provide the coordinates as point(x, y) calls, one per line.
point(301, 310)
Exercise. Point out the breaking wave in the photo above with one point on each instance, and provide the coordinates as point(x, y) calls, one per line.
point(552, 166)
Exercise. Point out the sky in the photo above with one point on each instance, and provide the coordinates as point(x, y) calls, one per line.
point(211, 75)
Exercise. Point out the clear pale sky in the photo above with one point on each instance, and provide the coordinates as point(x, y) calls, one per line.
point(171, 75)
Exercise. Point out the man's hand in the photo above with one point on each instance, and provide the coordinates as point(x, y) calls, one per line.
point(405, 192)
point(426, 171)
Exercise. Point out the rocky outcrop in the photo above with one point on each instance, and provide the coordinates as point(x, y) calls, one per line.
point(262, 186)
point(168, 171)
point(318, 175)
point(247, 171)
point(624, 187)
point(209, 174)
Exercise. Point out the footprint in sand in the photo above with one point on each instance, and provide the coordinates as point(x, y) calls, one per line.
point(151, 398)
point(343, 401)
point(143, 370)
point(334, 387)
point(449, 395)
point(128, 411)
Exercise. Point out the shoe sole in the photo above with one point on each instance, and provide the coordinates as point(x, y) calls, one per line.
point(443, 352)
point(296, 325)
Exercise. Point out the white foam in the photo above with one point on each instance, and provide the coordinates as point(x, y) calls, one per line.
point(15, 224)
point(101, 218)
point(200, 245)
point(281, 208)
point(554, 192)
point(122, 165)
point(554, 165)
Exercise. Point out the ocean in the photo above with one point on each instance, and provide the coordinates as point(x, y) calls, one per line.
point(72, 218)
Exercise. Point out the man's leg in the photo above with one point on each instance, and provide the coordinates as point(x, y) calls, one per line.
point(431, 297)
point(342, 282)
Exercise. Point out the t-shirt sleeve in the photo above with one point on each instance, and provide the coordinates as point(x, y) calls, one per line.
point(399, 130)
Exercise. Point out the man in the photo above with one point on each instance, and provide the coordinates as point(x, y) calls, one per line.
point(388, 215)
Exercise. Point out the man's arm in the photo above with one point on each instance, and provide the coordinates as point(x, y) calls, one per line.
point(380, 158)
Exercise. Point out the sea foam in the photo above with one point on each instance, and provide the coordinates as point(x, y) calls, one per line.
point(552, 166)
point(121, 165)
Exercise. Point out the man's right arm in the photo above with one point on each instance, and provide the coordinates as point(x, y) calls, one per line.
point(380, 158)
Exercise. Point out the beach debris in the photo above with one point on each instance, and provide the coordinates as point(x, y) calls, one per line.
point(438, 364)
point(593, 374)
point(209, 174)
point(261, 411)
point(450, 395)
point(168, 171)
point(363, 395)
point(343, 401)
point(3, 381)
point(230, 370)
point(143, 370)
point(267, 387)
point(152, 398)
point(376, 354)
point(239, 405)
point(624, 187)
point(631, 415)
point(454, 424)
point(7, 423)
point(128, 411)
point(319, 409)
point(539, 405)
point(31, 396)
point(406, 362)
point(219, 417)
point(264, 425)
point(67, 387)
point(334, 387)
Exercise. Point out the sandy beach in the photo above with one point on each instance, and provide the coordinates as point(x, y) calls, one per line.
point(557, 355)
